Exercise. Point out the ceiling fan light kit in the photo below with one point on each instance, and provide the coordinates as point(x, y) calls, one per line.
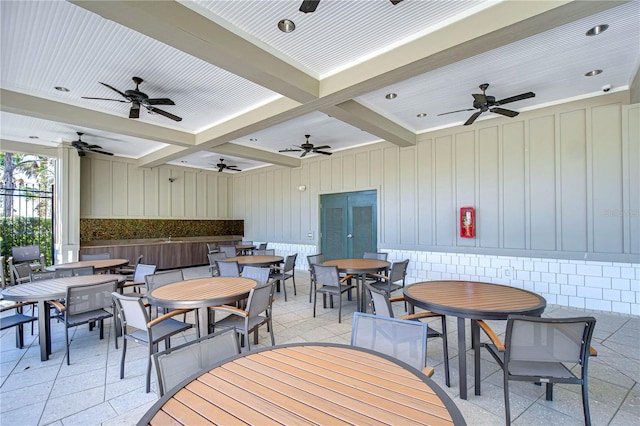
point(224, 166)
point(308, 147)
point(83, 147)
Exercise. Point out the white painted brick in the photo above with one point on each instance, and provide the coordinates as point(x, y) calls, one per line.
point(541, 266)
point(601, 263)
point(464, 260)
point(550, 298)
point(535, 276)
point(554, 288)
point(527, 265)
point(490, 272)
point(627, 273)
point(611, 271)
point(635, 309)
point(635, 285)
point(484, 261)
point(460, 269)
point(434, 275)
point(541, 288)
point(621, 307)
point(447, 276)
point(455, 259)
point(422, 257)
point(576, 280)
point(548, 277)
point(620, 284)
point(568, 268)
point(602, 305)
point(529, 285)
point(452, 269)
point(600, 282)
point(517, 264)
point(627, 295)
point(592, 293)
point(465, 277)
point(568, 290)
point(523, 275)
point(562, 300)
point(480, 271)
point(517, 283)
point(499, 263)
point(554, 267)
point(613, 295)
point(592, 270)
point(576, 302)
point(445, 259)
point(561, 279)
point(434, 258)
point(438, 267)
point(470, 270)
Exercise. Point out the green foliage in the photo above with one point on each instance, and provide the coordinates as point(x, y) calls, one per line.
point(26, 231)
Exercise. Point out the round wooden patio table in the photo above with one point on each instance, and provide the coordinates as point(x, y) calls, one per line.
point(309, 383)
point(98, 264)
point(476, 301)
point(44, 290)
point(200, 293)
point(359, 267)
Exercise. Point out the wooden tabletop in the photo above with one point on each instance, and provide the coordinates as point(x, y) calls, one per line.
point(201, 292)
point(477, 300)
point(314, 383)
point(97, 264)
point(358, 266)
point(260, 260)
point(54, 288)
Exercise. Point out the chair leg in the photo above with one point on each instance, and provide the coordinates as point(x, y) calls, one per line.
point(66, 338)
point(585, 402)
point(273, 341)
point(124, 353)
point(445, 351)
point(149, 367)
point(293, 278)
point(284, 288)
point(507, 410)
point(101, 329)
point(315, 297)
point(339, 308)
point(20, 334)
point(549, 392)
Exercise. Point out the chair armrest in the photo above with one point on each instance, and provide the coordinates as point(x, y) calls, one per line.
point(131, 284)
point(346, 277)
point(59, 306)
point(231, 310)
point(592, 351)
point(396, 299)
point(166, 316)
point(428, 371)
point(17, 305)
point(379, 276)
point(418, 315)
point(492, 335)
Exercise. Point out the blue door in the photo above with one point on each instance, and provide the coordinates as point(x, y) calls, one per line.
point(348, 224)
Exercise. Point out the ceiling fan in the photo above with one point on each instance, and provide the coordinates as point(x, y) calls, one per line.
point(484, 103)
point(307, 148)
point(136, 98)
point(223, 166)
point(83, 147)
point(309, 6)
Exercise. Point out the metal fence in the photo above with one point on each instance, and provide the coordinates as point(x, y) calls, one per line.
point(27, 219)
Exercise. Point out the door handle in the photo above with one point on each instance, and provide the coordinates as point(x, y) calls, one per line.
point(349, 236)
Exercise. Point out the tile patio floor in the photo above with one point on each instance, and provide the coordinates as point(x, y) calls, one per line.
point(90, 392)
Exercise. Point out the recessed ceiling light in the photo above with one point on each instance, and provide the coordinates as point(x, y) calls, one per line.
point(61, 89)
point(183, 161)
point(286, 25)
point(391, 95)
point(34, 137)
point(253, 140)
point(422, 114)
point(592, 73)
point(597, 30)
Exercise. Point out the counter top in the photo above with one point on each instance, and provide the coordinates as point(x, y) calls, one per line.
point(153, 241)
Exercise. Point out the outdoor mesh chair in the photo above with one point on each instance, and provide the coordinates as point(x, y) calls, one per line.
point(388, 282)
point(261, 275)
point(74, 272)
point(401, 339)
point(230, 251)
point(257, 313)
point(327, 282)
point(18, 319)
point(137, 280)
point(139, 327)
point(173, 365)
point(312, 260)
point(228, 268)
point(86, 304)
point(381, 306)
point(536, 350)
point(213, 257)
point(285, 271)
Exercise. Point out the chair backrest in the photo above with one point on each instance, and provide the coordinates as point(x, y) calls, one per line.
point(89, 297)
point(163, 278)
point(20, 272)
point(379, 301)
point(25, 253)
point(95, 256)
point(259, 301)
point(176, 364)
point(142, 270)
point(74, 272)
point(262, 246)
point(212, 247)
point(398, 271)
point(131, 311)
point(290, 262)
point(374, 255)
point(326, 275)
point(260, 252)
point(401, 339)
point(314, 259)
point(270, 252)
point(228, 268)
point(42, 275)
point(548, 339)
point(261, 275)
point(230, 251)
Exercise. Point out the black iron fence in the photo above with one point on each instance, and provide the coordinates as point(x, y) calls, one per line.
point(27, 219)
